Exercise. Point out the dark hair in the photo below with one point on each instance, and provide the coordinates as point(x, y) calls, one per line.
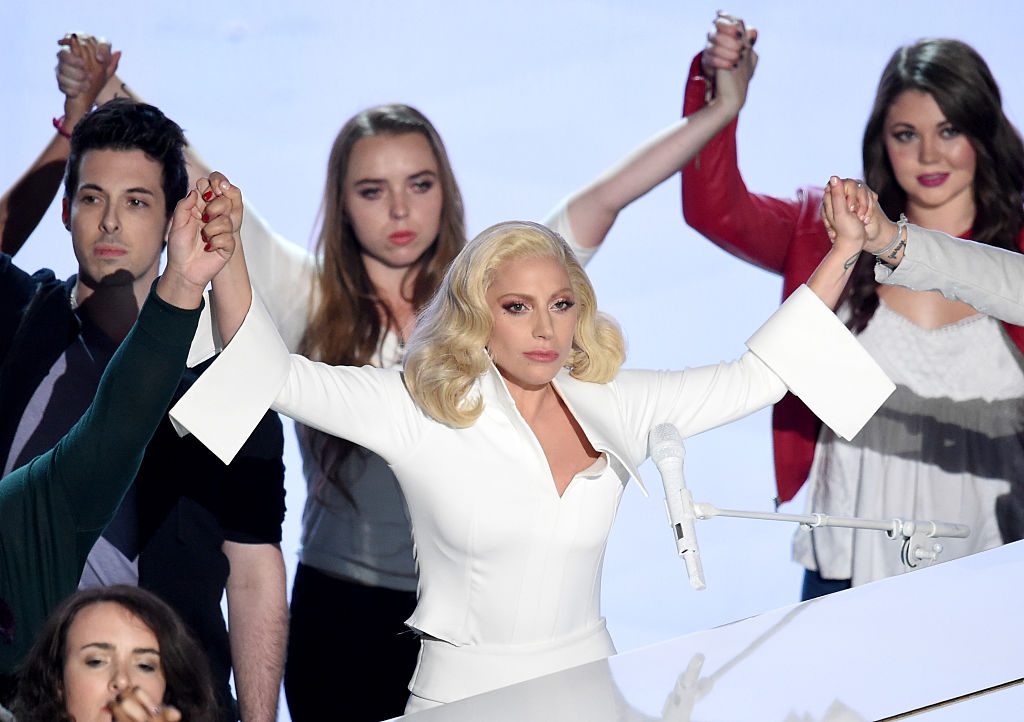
point(40, 694)
point(346, 326)
point(124, 124)
point(956, 76)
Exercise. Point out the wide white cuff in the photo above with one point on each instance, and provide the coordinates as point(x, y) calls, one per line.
point(225, 404)
point(821, 362)
point(206, 342)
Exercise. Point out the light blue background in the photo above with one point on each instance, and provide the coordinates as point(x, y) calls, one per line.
point(533, 99)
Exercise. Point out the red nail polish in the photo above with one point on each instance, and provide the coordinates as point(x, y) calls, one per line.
point(208, 195)
point(207, 246)
point(206, 218)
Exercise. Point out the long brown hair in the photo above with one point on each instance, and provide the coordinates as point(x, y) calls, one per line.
point(349, 321)
point(41, 696)
point(959, 80)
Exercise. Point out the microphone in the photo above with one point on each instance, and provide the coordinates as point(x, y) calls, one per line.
point(666, 448)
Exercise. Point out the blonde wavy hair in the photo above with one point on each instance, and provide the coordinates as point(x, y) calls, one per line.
point(447, 351)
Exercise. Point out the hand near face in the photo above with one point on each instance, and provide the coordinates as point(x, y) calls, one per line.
point(222, 200)
point(203, 234)
point(137, 706)
point(84, 65)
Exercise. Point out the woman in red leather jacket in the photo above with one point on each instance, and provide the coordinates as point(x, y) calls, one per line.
point(939, 149)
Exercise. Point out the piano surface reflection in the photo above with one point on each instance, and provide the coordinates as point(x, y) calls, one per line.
point(888, 648)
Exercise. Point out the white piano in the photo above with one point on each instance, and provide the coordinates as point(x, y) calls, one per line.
point(942, 643)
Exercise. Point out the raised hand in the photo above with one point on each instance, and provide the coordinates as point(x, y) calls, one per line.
point(731, 85)
point(233, 291)
point(203, 236)
point(134, 705)
point(223, 198)
point(729, 59)
point(861, 202)
point(84, 65)
point(840, 214)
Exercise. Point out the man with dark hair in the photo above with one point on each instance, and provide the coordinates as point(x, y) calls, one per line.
point(126, 125)
point(189, 527)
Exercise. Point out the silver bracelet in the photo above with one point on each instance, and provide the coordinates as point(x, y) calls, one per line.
point(896, 243)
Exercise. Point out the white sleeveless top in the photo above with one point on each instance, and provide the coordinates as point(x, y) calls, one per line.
point(944, 446)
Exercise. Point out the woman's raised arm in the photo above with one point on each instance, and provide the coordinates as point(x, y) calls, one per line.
point(593, 209)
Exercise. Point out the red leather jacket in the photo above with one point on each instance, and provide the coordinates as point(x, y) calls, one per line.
point(782, 236)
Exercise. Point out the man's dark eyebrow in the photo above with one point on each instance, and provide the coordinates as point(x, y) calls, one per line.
point(94, 187)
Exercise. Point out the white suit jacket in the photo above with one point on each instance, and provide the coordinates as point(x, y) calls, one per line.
point(503, 559)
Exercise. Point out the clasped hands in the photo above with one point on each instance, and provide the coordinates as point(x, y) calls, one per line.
point(853, 217)
point(204, 234)
point(729, 58)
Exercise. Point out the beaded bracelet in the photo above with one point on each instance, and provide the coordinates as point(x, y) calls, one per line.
point(58, 123)
point(896, 244)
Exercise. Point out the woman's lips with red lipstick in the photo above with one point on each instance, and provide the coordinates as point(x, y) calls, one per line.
point(545, 356)
point(932, 180)
point(402, 238)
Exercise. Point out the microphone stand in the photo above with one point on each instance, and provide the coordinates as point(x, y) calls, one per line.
point(666, 450)
point(917, 535)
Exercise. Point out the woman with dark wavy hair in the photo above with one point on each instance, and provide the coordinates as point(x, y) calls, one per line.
point(116, 652)
point(951, 75)
point(940, 151)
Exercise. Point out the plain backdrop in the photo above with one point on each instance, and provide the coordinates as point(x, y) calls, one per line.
point(533, 99)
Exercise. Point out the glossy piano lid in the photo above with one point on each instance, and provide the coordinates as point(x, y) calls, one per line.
point(1002, 703)
point(888, 648)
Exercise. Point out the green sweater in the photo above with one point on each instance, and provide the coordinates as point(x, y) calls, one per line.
point(53, 509)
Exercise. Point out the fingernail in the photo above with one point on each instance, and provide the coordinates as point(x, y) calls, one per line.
point(203, 234)
point(207, 246)
point(224, 186)
point(208, 195)
point(206, 218)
